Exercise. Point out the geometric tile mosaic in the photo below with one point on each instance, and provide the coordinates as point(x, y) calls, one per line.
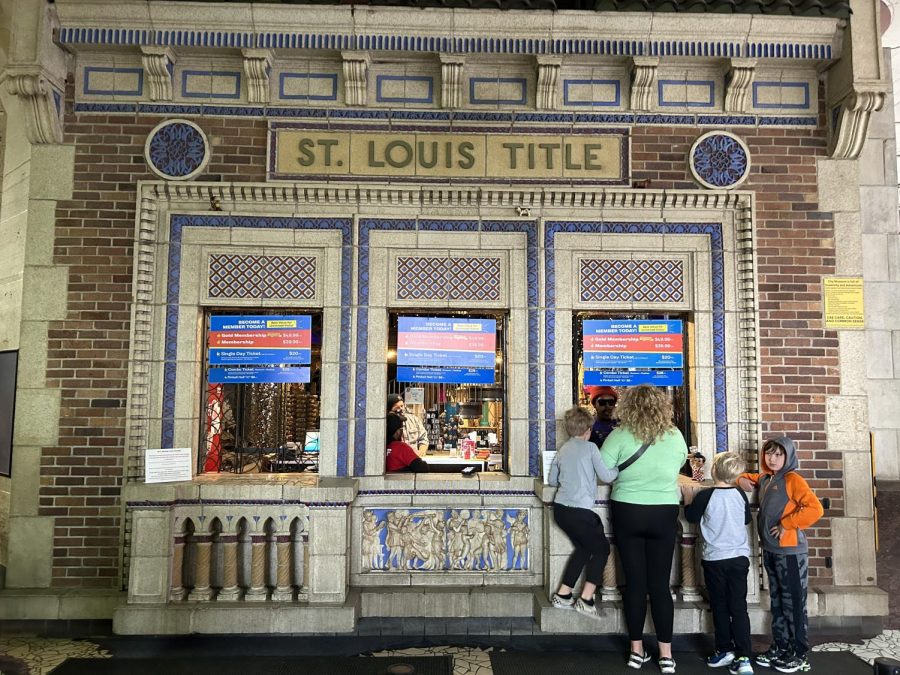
point(630, 280)
point(262, 276)
point(467, 279)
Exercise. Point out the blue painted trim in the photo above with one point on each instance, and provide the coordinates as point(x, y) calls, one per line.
point(474, 100)
point(211, 73)
point(757, 86)
point(567, 84)
point(283, 77)
point(89, 70)
point(529, 228)
point(177, 223)
point(555, 118)
point(380, 98)
point(662, 84)
point(717, 264)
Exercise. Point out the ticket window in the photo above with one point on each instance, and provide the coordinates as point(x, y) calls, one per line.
point(458, 393)
point(622, 350)
point(262, 380)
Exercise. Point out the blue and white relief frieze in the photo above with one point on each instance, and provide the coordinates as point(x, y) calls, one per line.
point(438, 540)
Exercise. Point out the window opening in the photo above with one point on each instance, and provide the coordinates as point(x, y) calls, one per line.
point(261, 384)
point(463, 420)
point(679, 394)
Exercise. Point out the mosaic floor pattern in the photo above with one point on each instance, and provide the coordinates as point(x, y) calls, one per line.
point(886, 644)
point(30, 655)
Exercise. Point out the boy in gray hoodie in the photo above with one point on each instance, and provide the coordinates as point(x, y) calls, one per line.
point(575, 470)
point(787, 506)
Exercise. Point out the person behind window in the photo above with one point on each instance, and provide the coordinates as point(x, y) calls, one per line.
point(414, 432)
point(645, 499)
point(400, 456)
point(603, 400)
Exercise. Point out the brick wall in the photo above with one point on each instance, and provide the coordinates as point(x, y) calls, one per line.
point(82, 476)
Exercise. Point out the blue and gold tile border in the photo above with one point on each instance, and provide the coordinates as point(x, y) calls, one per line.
point(445, 116)
point(177, 224)
point(717, 264)
point(79, 35)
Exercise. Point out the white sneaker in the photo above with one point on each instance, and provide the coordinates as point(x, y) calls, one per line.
point(562, 603)
point(584, 608)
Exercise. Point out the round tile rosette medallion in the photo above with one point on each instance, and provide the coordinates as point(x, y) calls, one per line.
point(177, 150)
point(719, 160)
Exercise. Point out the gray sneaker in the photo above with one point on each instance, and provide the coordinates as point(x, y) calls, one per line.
point(584, 608)
point(562, 603)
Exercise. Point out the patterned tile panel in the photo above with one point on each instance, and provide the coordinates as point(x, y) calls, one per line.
point(627, 280)
point(258, 276)
point(428, 278)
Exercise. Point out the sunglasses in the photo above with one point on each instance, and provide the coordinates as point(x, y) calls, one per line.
point(606, 402)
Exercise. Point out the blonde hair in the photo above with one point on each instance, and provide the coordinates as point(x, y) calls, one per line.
point(646, 412)
point(727, 466)
point(577, 420)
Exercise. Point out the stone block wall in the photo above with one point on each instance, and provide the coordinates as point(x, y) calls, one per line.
point(82, 473)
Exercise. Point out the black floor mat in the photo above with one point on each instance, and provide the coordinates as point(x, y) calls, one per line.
point(601, 663)
point(262, 665)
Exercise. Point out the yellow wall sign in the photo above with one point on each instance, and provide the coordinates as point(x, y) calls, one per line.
point(843, 302)
point(596, 157)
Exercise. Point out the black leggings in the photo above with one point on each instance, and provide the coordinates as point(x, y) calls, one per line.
point(645, 537)
point(584, 529)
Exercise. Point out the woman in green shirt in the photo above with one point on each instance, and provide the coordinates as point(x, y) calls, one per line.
point(645, 499)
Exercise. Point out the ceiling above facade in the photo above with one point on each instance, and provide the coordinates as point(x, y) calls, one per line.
point(839, 9)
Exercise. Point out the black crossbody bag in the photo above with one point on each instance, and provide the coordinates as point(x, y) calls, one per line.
point(635, 457)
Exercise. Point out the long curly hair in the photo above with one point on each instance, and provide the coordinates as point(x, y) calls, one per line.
point(646, 412)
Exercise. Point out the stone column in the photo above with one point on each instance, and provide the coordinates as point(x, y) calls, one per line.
point(283, 591)
point(610, 589)
point(257, 590)
point(201, 591)
point(230, 590)
point(176, 590)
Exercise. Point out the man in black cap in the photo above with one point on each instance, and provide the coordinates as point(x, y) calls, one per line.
point(414, 432)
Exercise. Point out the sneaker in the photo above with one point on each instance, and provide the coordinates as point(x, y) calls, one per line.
point(666, 665)
point(636, 660)
point(791, 664)
point(741, 666)
point(768, 656)
point(562, 603)
point(720, 659)
point(590, 610)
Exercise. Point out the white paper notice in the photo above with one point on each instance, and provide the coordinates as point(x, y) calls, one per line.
point(548, 460)
point(167, 465)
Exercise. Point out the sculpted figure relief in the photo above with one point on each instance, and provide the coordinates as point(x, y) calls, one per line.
point(448, 539)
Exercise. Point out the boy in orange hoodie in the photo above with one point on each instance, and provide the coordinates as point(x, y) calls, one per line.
point(786, 507)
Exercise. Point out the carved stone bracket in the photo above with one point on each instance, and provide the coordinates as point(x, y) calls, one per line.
point(356, 82)
point(257, 66)
point(42, 102)
point(850, 121)
point(643, 83)
point(158, 65)
point(740, 77)
point(452, 67)
point(547, 78)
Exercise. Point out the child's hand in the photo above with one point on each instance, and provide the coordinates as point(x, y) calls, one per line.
point(745, 484)
point(776, 531)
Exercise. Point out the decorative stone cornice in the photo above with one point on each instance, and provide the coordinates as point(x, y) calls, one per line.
point(850, 121)
point(257, 66)
point(158, 65)
point(42, 102)
point(356, 80)
point(452, 67)
point(738, 82)
point(643, 83)
point(547, 78)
